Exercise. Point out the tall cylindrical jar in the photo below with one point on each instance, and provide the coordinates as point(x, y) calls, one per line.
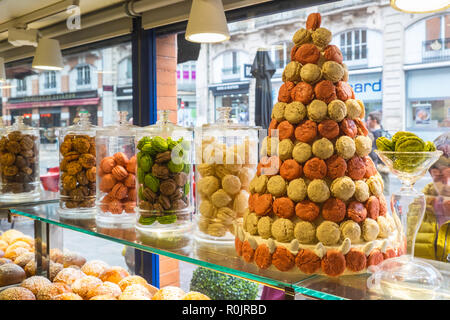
point(77, 166)
point(19, 162)
point(164, 175)
point(116, 171)
point(226, 160)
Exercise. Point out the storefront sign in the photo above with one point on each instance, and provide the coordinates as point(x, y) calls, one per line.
point(124, 91)
point(247, 71)
point(55, 97)
point(230, 88)
point(367, 87)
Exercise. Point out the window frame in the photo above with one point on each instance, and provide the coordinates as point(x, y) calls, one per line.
point(344, 45)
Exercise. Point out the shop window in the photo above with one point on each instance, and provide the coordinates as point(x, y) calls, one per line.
point(231, 67)
point(50, 80)
point(436, 45)
point(353, 45)
point(83, 75)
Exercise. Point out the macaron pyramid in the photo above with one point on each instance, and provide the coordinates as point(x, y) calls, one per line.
point(316, 203)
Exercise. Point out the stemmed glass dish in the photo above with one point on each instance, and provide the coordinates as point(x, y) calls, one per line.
point(406, 276)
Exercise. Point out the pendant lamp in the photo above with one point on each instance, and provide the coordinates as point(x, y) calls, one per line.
point(48, 55)
point(2, 70)
point(420, 6)
point(207, 22)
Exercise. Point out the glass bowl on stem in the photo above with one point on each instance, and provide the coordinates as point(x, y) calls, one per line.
point(406, 276)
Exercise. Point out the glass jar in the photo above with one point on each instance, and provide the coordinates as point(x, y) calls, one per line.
point(164, 175)
point(116, 170)
point(226, 160)
point(19, 162)
point(77, 166)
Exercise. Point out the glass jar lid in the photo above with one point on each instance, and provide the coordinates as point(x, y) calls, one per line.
point(224, 121)
point(121, 127)
point(82, 124)
point(19, 125)
point(165, 128)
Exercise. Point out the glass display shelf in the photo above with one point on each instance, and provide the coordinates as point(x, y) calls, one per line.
point(222, 258)
point(44, 197)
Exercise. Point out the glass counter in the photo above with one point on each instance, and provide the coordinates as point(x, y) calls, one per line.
point(222, 258)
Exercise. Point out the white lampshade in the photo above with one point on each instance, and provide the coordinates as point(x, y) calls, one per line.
point(2, 70)
point(48, 55)
point(420, 6)
point(207, 22)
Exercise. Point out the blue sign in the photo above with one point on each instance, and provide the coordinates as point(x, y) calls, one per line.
point(367, 86)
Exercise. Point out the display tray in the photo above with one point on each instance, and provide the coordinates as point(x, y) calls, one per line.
point(223, 258)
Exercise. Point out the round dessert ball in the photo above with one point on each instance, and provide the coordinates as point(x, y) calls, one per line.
point(351, 230)
point(363, 146)
point(301, 152)
point(323, 148)
point(328, 233)
point(264, 227)
point(296, 190)
point(295, 112)
point(307, 210)
point(361, 191)
point(333, 263)
point(305, 232)
point(332, 71)
point(276, 186)
point(343, 188)
point(315, 168)
point(345, 147)
point(353, 109)
point(336, 167)
point(283, 230)
point(337, 110)
point(318, 191)
point(278, 111)
point(370, 229)
point(285, 148)
point(328, 129)
point(231, 184)
point(311, 73)
point(317, 110)
point(356, 211)
point(375, 185)
point(334, 210)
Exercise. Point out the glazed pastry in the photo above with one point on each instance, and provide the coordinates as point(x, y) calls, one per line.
point(307, 53)
point(307, 210)
point(315, 168)
point(336, 167)
point(333, 53)
point(302, 92)
point(334, 210)
point(328, 129)
point(306, 131)
point(325, 91)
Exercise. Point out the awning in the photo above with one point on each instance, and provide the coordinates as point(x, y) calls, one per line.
point(55, 103)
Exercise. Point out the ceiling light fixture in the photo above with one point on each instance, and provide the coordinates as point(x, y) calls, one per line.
point(48, 55)
point(2, 70)
point(207, 22)
point(420, 6)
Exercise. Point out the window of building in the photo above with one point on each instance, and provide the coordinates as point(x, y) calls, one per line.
point(125, 71)
point(437, 33)
point(83, 75)
point(280, 54)
point(21, 85)
point(50, 80)
point(353, 45)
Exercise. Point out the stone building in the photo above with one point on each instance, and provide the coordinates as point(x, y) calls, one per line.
point(399, 63)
